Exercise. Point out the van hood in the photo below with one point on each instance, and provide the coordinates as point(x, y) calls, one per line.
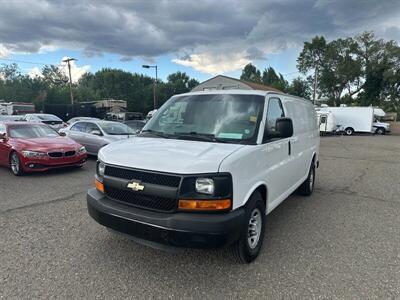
point(167, 155)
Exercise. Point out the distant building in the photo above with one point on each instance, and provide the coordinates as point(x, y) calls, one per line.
point(221, 82)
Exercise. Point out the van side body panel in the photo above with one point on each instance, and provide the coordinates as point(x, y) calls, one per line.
point(271, 164)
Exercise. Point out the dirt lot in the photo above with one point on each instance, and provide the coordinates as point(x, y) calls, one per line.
point(343, 242)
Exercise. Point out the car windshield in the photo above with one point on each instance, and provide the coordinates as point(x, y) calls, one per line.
point(135, 125)
point(230, 118)
point(31, 131)
point(114, 128)
point(48, 118)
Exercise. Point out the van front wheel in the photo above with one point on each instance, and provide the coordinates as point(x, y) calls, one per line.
point(247, 248)
point(307, 187)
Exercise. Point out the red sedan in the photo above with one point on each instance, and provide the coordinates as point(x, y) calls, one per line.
point(33, 147)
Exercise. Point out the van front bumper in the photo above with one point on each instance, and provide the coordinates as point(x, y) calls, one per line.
point(191, 230)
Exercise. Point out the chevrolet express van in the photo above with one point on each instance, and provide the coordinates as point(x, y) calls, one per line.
point(207, 169)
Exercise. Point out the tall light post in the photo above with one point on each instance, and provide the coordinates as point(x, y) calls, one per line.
point(154, 85)
point(68, 60)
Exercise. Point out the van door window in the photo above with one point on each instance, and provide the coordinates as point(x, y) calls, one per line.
point(274, 112)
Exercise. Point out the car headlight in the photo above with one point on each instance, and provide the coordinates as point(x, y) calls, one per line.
point(205, 186)
point(100, 169)
point(33, 154)
point(82, 149)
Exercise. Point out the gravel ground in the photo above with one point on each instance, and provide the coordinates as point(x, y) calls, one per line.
point(343, 242)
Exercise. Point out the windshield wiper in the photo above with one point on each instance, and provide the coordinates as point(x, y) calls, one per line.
point(208, 137)
point(156, 133)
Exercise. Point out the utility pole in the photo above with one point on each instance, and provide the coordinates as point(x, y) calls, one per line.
point(315, 84)
point(68, 60)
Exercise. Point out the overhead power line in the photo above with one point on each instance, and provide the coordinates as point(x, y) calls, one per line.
point(24, 61)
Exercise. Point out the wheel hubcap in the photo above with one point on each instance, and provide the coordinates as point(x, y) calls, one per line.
point(254, 228)
point(15, 163)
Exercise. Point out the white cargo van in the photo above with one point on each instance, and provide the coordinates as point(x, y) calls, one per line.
point(207, 169)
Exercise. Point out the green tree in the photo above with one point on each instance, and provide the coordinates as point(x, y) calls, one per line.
point(300, 87)
point(251, 73)
point(271, 78)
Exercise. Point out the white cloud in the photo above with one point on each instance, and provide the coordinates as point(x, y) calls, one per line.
point(214, 64)
point(35, 72)
point(76, 72)
point(4, 52)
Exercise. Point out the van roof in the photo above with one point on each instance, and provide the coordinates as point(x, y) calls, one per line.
point(241, 92)
point(233, 91)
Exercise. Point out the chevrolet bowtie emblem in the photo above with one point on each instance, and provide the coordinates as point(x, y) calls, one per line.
point(135, 186)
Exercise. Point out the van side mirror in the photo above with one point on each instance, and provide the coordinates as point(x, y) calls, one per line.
point(62, 133)
point(284, 127)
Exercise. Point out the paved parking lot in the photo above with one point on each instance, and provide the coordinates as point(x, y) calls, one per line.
point(343, 242)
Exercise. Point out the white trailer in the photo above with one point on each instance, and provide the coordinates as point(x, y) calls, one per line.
point(326, 121)
point(356, 119)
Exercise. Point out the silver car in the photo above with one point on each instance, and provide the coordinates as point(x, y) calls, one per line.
point(51, 120)
point(96, 134)
point(76, 119)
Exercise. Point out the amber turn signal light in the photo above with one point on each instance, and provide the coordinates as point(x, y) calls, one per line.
point(99, 186)
point(207, 205)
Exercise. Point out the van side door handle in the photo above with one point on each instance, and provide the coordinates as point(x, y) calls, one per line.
point(289, 147)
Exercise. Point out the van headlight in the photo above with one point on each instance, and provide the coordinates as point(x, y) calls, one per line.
point(205, 186)
point(101, 167)
point(207, 192)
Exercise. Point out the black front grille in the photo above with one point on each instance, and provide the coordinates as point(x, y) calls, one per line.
point(55, 154)
point(142, 201)
point(69, 153)
point(147, 177)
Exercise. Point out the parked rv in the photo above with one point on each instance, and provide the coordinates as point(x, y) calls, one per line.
point(207, 169)
point(124, 116)
point(356, 119)
point(16, 108)
point(327, 122)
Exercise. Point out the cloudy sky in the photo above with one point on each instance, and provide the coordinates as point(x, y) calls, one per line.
point(202, 38)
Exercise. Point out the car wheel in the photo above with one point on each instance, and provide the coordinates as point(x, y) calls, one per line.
point(247, 248)
point(307, 187)
point(15, 164)
point(380, 130)
point(349, 131)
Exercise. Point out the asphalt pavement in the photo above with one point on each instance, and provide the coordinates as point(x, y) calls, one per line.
point(343, 242)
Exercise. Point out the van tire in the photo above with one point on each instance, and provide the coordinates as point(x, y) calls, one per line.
point(242, 250)
point(380, 130)
point(307, 187)
point(349, 131)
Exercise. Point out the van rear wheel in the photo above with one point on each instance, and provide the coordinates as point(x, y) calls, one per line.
point(247, 248)
point(349, 131)
point(307, 187)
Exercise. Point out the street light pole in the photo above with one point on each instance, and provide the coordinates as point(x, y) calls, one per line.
point(154, 85)
point(68, 60)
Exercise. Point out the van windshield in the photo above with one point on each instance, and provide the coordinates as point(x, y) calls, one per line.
point(231, 118)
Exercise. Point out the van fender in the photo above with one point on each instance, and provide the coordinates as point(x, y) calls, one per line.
point(314, 158)
point(251, 191)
